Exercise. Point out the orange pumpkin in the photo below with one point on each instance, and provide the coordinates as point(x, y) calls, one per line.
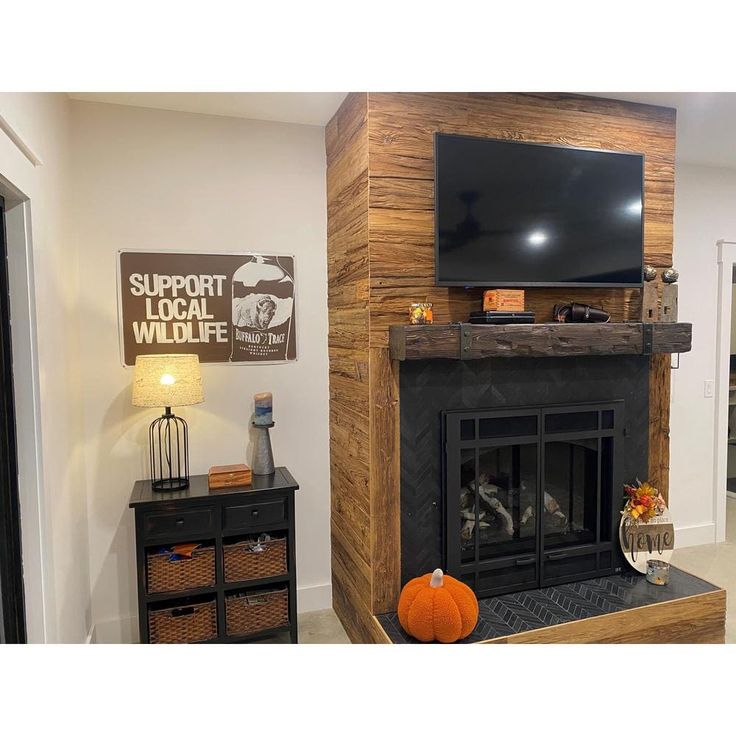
point(437, 607)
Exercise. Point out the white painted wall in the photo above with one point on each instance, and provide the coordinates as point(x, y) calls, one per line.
point(705, 211)
point(54, 511)
point(169, 180)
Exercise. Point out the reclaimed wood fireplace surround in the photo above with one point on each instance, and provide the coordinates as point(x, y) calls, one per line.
point(381, 258)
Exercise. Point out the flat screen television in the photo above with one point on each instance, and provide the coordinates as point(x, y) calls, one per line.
point(528, 214)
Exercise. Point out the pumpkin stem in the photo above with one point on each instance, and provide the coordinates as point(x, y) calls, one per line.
point(436, 581)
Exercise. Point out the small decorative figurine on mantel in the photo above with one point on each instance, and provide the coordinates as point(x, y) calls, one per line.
point(649, 296)
point(263, 421)
point(650, 273)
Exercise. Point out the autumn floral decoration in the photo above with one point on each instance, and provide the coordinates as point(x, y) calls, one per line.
point(643, 502)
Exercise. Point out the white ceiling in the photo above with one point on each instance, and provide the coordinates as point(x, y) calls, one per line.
point(306, 108)
point(706, 121)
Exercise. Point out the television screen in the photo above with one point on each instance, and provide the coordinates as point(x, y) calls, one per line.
point(527, 214)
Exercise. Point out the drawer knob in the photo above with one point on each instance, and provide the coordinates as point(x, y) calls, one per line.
point(255, 513)
point(180, 522)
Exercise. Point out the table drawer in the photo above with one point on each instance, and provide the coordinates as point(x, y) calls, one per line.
point(179, 523)
point(245, 516)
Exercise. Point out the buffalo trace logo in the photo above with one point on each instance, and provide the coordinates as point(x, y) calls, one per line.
point(263, 307)
point(647, 540)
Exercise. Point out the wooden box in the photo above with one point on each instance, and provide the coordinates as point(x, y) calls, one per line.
point(229, 476)
point(503, 300)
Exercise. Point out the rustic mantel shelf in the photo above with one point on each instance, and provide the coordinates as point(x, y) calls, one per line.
point(462, 341)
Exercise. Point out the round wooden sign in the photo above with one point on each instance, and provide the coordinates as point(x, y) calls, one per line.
point(644, 541)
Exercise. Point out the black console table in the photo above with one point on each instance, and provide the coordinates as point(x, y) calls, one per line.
point(215, 517)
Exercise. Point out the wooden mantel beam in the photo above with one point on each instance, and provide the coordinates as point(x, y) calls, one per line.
point(463, 341)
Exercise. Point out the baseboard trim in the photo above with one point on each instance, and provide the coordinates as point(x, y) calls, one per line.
point(692, 536)
point(116, 631)
point(314, 598)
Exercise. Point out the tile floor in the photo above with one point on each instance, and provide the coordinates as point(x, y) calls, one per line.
point(715, 563)
point(321, 627)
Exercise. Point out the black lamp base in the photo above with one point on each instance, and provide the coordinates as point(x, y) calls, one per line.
point(172, 484)
point(168, 439)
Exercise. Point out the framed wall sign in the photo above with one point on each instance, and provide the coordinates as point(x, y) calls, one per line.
point(225, 307)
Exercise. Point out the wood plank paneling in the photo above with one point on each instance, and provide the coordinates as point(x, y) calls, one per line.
point(384, 480)
point(401, 211)
point(381, 258)
point(347, 270)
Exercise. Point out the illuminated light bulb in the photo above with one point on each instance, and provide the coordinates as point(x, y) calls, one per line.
point(537, 238)
point(167, 380)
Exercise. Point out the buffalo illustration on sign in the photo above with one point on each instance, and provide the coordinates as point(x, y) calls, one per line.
point(225, 307)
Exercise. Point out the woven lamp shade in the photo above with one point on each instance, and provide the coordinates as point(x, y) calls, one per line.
point(167, 380)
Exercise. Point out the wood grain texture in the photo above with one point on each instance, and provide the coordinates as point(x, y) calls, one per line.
point(698, 619)
point(467, 342)
point(380, 174)
point(347, 269)
point(659, 423)
point(384, 481)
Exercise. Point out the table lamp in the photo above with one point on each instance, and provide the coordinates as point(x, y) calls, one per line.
point(168, 380)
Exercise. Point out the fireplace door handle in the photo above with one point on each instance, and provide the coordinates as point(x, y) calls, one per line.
point(556, 555)
point(525, 561)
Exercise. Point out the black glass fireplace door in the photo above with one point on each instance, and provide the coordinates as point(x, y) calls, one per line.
point(528, 494)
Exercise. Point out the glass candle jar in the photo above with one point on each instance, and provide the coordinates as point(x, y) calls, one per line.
point(658, 572)
point(421, 313)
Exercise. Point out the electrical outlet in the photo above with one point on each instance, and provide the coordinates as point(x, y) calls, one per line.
point(709, 389)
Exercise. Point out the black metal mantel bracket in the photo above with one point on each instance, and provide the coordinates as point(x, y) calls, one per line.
point(647, 330)
point(465, 340)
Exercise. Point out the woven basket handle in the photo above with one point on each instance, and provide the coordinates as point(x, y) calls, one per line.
point(187, 611)
point(257, 601)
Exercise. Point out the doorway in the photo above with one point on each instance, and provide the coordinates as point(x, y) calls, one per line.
point(12, 608)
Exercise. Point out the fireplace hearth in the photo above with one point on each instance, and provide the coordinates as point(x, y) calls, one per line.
point(528, 494)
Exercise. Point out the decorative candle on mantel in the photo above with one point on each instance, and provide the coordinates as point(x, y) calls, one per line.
point(264, 409)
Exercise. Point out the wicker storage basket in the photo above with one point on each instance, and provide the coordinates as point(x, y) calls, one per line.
point(183, 624)
point(257, 611)
point(165, 575)
point(248, 560)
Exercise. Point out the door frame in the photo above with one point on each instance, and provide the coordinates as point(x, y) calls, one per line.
point(726, 257)
point(12, 608)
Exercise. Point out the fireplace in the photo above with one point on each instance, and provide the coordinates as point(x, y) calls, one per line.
point(528, 494)
point(549, 443)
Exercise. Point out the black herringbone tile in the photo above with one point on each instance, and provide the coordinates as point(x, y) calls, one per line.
point(513, 613)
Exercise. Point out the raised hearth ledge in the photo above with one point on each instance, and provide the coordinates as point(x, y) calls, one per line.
point(618, 609)
point(463, 341)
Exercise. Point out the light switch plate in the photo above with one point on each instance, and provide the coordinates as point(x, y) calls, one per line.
point(709, 388)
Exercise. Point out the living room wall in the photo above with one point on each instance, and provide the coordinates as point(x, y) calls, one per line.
point(704, 213)
point(151, 179)
point(52, 488)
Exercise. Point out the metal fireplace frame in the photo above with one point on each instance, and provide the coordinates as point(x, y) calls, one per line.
point(594, 559)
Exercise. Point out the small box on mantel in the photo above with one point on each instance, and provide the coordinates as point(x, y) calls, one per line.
point(503, 300)
point(229, 476)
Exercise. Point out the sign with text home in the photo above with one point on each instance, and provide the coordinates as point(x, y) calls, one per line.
point(225, 307)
